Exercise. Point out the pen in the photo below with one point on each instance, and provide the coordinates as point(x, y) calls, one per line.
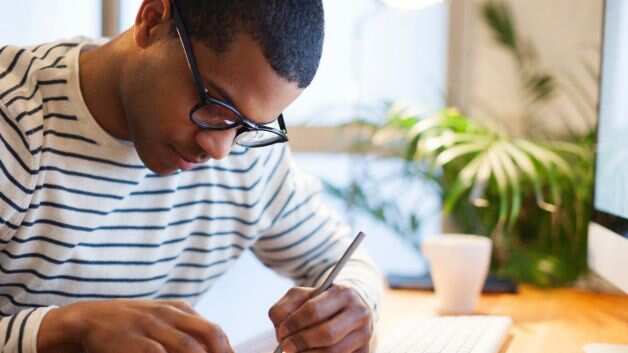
point(334, 273)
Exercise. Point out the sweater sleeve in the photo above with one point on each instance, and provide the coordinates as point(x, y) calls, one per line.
point(306, 240)
point(18, 332)
point(18, 166)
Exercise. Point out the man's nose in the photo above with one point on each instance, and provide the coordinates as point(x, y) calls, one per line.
point(217, 144)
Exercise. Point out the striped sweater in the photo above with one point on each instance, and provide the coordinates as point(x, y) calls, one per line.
point(81, 218)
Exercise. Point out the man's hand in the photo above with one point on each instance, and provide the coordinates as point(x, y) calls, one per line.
point(336, 321)
point(130, 326)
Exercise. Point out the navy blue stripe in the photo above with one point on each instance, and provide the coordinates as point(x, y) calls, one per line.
point(16, 98)
point(289, 230)
point(20, 339)
point(148, 227)
point(210, 167)
point(22, 81)
point(38, 46)
point(281, 209)
point(57, 187)
point(86, 175)
point(13, 180)
point(14, 154)
point(11, 66)
point(7, 336)
point(236, 233)
point(308, 270)
point(37, 238)
point(208, 265)
point(279, 160)
point(52, 82)
point(65, 44)
point(299, 241)
point(320, 274)
point(125, 245)
point(250, 223)
point(69, 136)
point(79, 192)
point(8, 224)
point(64, 207)
point(25, 76)
point(193, 280)
point(303, 203)
point(18, 303)
point(192, 186)
point(92, 159)
point(81, 279)
point(119, 262)
point(185, 295)
point(314, 256)
point(209, 251)
point(78, 295)
point(88, 262)
point(269, 156)
point(304, 254)
point(170, 191)
point(28, 69)
point(16, 129)
point(34, 130)
point(54, 64)
point(11, 203)
point(187, 204)
point(60, 116)
point(28, 113)
point(56, 99)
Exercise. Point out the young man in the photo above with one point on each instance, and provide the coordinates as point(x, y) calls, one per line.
point(135, 173)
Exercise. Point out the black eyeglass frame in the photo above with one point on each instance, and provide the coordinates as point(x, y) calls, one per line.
point(243, 123)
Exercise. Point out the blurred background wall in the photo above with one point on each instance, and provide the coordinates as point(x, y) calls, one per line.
point(484, 78)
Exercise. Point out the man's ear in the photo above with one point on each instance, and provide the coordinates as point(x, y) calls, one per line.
point(150, 17)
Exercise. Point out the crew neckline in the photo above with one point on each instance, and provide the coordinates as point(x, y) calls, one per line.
point(85, 116)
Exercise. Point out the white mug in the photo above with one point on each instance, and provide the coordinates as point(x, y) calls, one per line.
point(459, 264)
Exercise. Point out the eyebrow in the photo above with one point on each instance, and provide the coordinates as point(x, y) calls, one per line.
point(225, 96)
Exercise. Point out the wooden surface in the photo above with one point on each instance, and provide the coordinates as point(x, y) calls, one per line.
point(556, 321)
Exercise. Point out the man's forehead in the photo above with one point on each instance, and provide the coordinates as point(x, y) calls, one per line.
point(243, 77)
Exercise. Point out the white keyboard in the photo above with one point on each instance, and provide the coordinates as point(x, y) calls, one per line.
point(448, 334)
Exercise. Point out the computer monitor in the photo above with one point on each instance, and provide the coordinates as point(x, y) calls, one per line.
point(608, 230)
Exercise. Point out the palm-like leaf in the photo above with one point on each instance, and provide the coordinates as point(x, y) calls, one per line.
point(491, 161)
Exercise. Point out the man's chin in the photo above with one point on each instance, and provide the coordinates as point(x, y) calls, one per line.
point(159, 167)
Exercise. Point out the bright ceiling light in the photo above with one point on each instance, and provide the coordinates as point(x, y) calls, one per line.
point(410, 4)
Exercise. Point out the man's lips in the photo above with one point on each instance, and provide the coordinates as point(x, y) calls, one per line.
point(184, 162)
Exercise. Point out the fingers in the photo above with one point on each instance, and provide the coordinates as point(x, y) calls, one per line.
point(290, 302)
point(314, 311)
point(179, 304)
point(174, 341)
point(356, 341)
point(330, 333)
point(146, 345)
point(211, 336)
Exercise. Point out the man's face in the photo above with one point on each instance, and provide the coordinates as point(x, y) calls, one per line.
point(158, 94)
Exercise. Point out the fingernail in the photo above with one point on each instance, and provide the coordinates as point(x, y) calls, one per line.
point(289, 347)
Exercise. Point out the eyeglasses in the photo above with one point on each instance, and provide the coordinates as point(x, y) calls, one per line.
point(214, 114)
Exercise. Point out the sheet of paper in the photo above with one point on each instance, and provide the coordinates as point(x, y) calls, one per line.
point(263, 343)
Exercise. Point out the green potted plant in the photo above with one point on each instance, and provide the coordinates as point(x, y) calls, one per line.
point(531, 194)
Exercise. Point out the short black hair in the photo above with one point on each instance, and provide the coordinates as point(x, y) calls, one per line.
point(290, 32)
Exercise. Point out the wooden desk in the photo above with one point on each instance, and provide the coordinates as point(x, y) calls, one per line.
point(553, 321)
